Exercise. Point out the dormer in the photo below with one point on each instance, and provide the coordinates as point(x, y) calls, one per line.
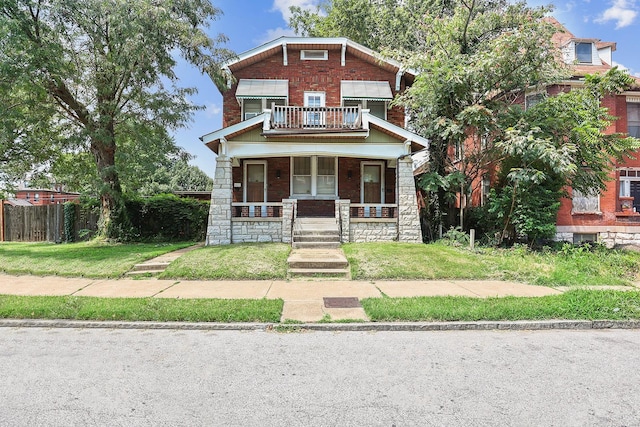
point(582, 52)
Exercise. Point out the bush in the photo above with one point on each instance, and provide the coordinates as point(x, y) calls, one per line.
point(168, 217)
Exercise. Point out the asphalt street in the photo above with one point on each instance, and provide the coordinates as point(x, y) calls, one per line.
point(73, 377)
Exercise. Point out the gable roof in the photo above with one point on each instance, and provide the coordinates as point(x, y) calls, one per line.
point(281, 44)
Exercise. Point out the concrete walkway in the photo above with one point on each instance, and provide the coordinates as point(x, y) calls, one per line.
point(304, 299)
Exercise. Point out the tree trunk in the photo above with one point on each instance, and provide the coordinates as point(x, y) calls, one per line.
point(113, 219)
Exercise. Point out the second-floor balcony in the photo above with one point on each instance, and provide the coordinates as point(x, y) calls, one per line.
point(327, 119)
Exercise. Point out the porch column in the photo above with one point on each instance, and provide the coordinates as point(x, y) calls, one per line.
point(219, 227)
point(289, 207)
point(408, 215)
point(343, 216)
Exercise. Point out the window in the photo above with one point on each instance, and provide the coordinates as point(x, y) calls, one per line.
point(255, 107)
point(532, 99)
point(584, 238)
point(486, 190)
point(584, 53)
point(314, 101)
point(633, 119)
point(630, 186)
point(585, 203)
point(314, 55)
point(314, 176)
point(376, 108)
point(459, 150)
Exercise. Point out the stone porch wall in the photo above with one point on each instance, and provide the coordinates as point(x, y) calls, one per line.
point(219, 225)
point(373, 230)
point(408, 216)
point(248, 230)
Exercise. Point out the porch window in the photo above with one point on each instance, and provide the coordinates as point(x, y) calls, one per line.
point(376, 108)
point(301, 175)
point(255, 107)
point(255, 95)
point(630, 186)
point(371, 95)
point(314, 176)
point(314, 101)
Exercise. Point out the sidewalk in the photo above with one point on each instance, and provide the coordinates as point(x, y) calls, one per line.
point(304, 299)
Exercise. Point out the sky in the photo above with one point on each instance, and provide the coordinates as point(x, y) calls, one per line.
point(250, 23)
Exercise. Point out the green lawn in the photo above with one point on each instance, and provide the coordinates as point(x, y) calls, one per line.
point(577, 304)
point(239, 261)
point(140, 309)
point(86, 259)
point(377, 261)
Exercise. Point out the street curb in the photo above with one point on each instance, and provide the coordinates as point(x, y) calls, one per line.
point(331, 327)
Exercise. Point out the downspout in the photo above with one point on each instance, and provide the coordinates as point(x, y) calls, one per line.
point(399, 75)
point(285, 57)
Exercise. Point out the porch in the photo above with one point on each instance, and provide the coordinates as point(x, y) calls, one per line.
point(257, 201)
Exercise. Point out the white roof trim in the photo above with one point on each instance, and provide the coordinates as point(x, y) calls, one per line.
point(262, 88)
point(407, 135)
point(284, 41)
point(363, 89)
point(224, 132)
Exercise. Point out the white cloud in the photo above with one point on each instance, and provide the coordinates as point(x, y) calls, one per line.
point(283, 6)
point(274, 34)
point(622, 67)
point(212, 110)
point(624, 12)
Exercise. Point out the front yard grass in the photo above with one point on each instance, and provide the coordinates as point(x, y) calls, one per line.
point(140, 309)
point(250, 261)
point(575, 267)
point(577, 304)
point(92, 259)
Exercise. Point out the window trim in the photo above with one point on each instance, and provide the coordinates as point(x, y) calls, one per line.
point(264, 106)
point(590, 61)
point(305, 57)
point(314, 179)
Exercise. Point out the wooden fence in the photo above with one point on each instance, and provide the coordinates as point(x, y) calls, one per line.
point(41, 223)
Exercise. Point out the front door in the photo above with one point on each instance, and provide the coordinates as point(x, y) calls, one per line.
point(372, 182)
point(255, 182)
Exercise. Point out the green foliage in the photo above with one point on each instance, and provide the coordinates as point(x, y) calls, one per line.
point(69, 221)
point(168, 217)
point(455, 237)
point(88, 76)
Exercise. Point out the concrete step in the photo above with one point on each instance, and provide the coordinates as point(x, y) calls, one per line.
point(318, 263)
point(313, 272)
point(143, 272)
point(317, 238)
point(315, 232)
point(316, 245)
point(146, 266)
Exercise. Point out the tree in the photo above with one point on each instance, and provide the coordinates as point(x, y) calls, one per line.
point(377, 24)
point(102, 69)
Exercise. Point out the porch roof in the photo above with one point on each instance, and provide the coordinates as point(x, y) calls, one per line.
point(363, 89)
point(212, 140)
point(262, 88)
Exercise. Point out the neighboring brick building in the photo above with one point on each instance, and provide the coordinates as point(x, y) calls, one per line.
point(307, 131)
point(42, 196)
point(613, 216)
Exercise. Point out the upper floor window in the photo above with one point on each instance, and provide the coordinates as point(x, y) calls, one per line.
point(314, 55)
point(314, 101)
point(254, 107)
point(376, 108)
point(584, 53)
point(633, 119)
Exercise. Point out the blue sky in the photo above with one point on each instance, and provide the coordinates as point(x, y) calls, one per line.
point(249, 23)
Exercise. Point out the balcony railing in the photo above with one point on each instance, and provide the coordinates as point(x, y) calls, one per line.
point(321, 118)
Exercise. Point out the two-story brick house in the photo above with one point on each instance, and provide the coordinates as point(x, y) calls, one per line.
point(613, 216)
point(308, 131)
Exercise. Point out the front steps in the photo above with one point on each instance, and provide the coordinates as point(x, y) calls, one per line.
point(316, 249)
point(316, 233)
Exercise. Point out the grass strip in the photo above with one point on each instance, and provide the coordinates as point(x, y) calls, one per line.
point(94, 259)
point(245, 261)
point(140, 309)
point(576, 304)
point(434, 261)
